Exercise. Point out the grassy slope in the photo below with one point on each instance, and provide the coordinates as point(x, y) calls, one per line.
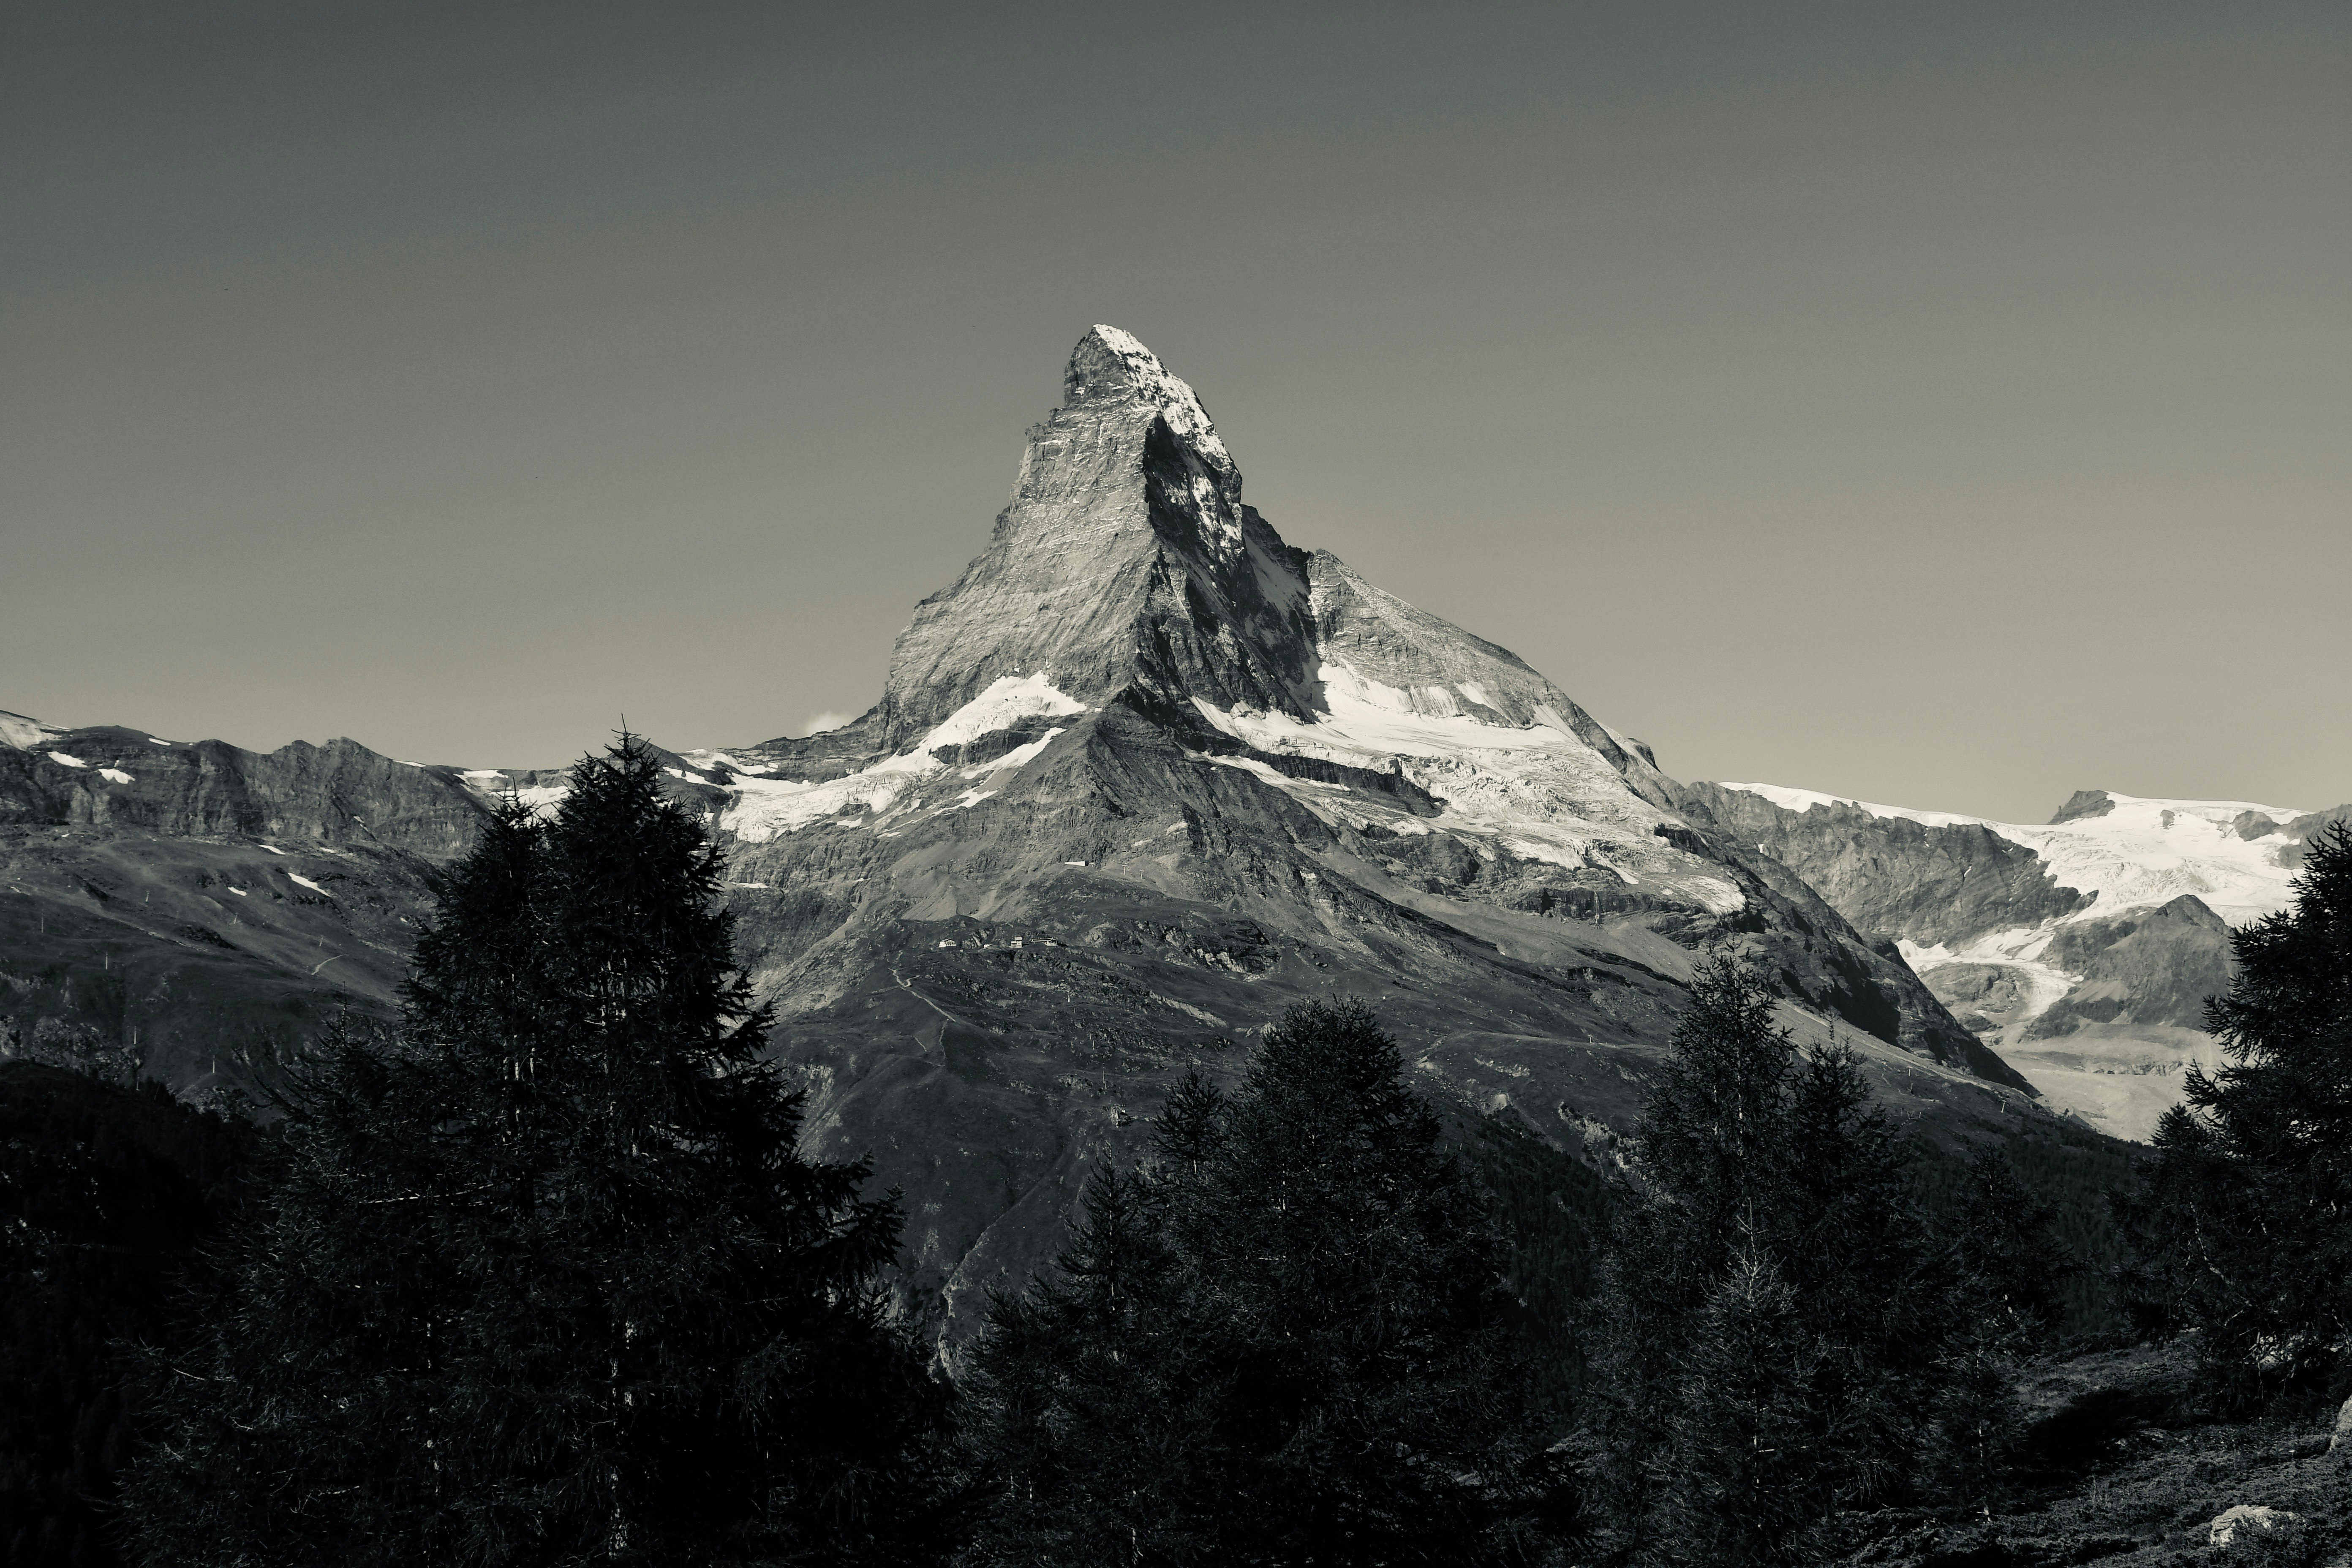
point(2125, 1473)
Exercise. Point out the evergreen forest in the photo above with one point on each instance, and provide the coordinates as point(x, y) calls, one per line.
point(543, 1273)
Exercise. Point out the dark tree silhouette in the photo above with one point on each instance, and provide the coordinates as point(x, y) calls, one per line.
point(107, 1199)
point(547, 1279)
point(1780, 1323)
point(2243, 1226)
point(1285, 1343)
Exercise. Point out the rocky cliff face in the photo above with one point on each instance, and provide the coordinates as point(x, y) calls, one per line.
point(2081, 949)
point(193, 911)
point(341, 792)
point(1895, 878)
point(2154, 966)
point(1143, 776)
point(1125, 565)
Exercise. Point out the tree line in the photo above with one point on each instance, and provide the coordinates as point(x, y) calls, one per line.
point(542, 1275)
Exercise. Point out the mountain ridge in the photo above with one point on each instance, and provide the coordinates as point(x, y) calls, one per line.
point(2080, 949)
point(1143, 775)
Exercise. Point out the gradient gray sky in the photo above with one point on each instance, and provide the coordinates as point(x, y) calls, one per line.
point(1944, 405)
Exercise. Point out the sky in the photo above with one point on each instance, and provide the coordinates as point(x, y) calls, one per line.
point(1946, 405)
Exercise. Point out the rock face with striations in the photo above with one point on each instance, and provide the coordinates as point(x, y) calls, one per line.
point(1142, 778)
point(1145, 774)
point(113, 778)
point(1893, 876)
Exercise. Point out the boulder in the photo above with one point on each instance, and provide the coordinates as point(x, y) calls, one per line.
point(2343, 1428)
point(2245, 1516)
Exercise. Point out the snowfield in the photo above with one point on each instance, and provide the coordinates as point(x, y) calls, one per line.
point(2140, 854)
point(765, 808)
point(1539, 790)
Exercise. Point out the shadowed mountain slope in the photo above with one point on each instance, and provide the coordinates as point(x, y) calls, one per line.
point(1144, 775)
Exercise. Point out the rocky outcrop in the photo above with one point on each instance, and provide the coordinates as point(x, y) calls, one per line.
point(2085, 804)
point(1985, 998)
point(2299, 831)
point(1893, 876)
point(2246, 1519)
point(2157, 966)
point(340, 793)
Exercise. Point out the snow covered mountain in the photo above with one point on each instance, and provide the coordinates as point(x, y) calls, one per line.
point(2080, 949)
point(1143, 776)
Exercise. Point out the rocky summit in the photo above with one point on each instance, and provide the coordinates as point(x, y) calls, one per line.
point(1142, 777)
point(1145, 774)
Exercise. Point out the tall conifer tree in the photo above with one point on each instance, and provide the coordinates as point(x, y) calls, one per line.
point(2243, 1230)
point(547, 1281)
point(1779, 1287)
point(1313, 1361)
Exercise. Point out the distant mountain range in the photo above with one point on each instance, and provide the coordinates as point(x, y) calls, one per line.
point(2081, 949)
point(1141, 777)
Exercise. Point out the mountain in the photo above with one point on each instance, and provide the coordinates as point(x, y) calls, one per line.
point(1143, 776)
point(190, 911)
point(2080, 949)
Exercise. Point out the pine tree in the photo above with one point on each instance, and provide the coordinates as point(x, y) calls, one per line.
point(2245, 1230)
point(1781, 1202)
point(1316, 1366)
point(2003, 1258)
point(1858, 1250)
point(547, 1281)
point(2005, 1242)
point(1085, 1400)
point(1711, 1140)
point(1745, 1480)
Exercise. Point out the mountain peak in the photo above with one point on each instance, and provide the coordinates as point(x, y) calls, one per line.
point(1112, 363)
point(2085, 803)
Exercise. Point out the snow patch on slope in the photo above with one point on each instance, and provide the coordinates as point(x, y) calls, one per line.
point(1008, 698)
point(540, 800)
point(763, 808)
point(707, 759)
point(25, 734)
point(1538, 790)
point(1370, 724)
